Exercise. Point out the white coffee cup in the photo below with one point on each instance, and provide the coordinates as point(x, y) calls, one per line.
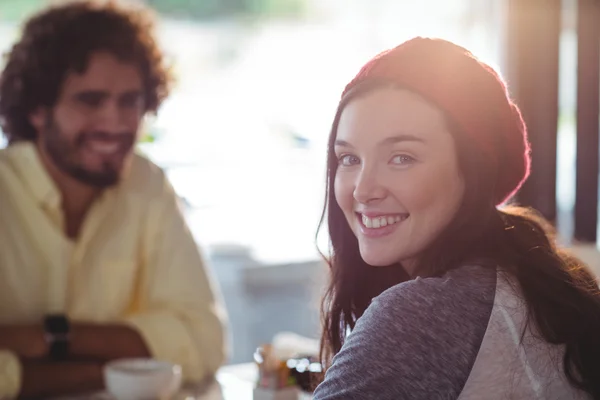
point(142, 379)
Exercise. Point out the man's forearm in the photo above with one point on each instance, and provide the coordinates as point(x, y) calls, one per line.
point(25, 340)
point(47, 379)
point(88, 341)
point(106, 342)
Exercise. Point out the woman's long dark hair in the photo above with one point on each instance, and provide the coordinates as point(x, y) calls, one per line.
point(562, 295)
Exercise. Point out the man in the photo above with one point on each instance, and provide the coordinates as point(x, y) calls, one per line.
point(96, 261)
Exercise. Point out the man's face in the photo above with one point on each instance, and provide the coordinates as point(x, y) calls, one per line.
point(90, 132)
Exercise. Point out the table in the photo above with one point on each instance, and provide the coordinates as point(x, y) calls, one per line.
point(233, 382)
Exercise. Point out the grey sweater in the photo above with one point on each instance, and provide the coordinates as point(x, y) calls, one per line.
point(454, 337)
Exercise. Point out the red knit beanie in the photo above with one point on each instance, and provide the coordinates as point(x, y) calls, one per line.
point(470, 93)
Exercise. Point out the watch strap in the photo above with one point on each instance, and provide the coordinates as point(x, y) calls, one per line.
point(57, 329)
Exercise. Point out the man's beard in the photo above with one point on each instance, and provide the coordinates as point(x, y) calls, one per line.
point(64, 154)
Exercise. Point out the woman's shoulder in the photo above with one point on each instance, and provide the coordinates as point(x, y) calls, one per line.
point(430, 327)
point(466, 286)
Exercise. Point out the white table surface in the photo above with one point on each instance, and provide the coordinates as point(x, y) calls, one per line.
point(236, 382)
point(233, 382)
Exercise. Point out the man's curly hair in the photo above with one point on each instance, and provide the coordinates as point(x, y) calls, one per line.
point(61, 39)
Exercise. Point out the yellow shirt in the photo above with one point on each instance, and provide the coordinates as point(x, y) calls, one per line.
point(135, 262)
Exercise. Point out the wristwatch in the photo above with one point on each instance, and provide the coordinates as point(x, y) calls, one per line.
point(56, 330)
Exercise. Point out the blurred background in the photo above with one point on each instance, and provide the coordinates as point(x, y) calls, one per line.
point(243, 135)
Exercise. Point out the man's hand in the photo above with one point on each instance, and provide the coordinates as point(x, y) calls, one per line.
point(27, 341)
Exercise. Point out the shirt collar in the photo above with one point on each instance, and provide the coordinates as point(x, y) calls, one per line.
point(34, 174)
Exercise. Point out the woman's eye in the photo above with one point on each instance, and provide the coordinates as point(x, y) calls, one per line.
point(347, 160)
point(402, 159)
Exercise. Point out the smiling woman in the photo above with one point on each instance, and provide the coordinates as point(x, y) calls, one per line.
point(412, 179)
point(446, 292)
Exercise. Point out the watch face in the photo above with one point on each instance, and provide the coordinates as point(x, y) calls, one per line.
point(56, 324)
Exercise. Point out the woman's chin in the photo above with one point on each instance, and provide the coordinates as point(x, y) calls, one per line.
point(379, 260)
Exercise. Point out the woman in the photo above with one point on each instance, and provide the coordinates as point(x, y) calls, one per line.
point(447, 295)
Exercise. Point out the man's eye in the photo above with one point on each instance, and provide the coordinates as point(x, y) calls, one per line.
point(130, 101)
point(91, 99)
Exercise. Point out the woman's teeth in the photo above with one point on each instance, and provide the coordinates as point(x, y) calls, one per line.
point(384, 220)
